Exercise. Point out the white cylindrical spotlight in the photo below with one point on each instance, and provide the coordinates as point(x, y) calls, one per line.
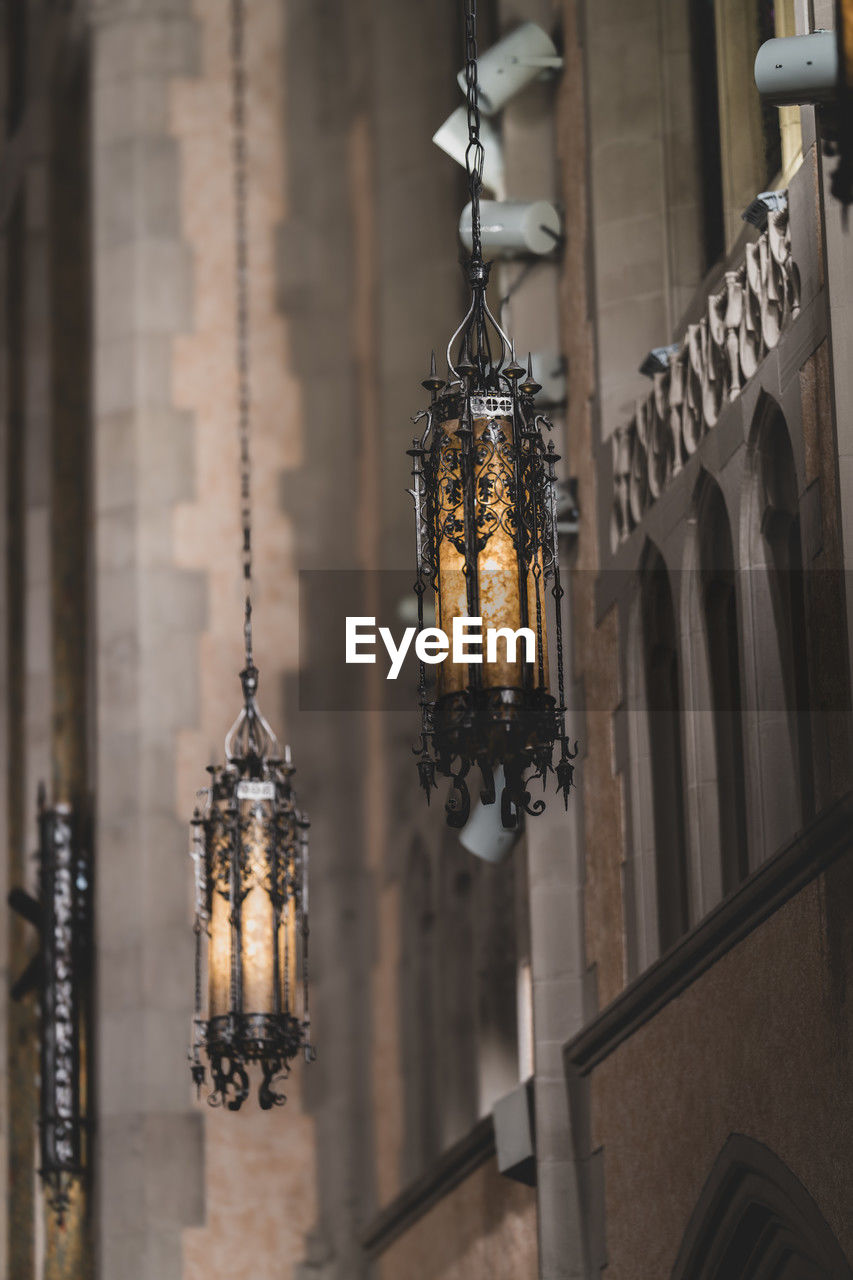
point(483, 835)
point(513, 227)
point(511, 64)
point(452, 137)
point(794, 69)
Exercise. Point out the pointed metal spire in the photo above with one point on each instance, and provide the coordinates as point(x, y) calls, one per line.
point(432, 382)
point(514, 370)
point(466, 365)
point(530, 386)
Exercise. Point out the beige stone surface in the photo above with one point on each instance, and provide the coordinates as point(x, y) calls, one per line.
point(595, 644)
point(756, 1046)
point(259, 1193)
point(485, 1227)
point(386, 1097)
point(259, 1167)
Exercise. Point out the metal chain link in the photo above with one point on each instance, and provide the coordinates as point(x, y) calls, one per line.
point(241, 283)
point(474, 151)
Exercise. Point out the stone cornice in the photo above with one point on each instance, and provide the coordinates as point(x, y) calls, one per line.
point(451, 1168)
point(709, 369)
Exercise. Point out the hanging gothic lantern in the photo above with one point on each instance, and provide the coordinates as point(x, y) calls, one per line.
point(486, 543)
point(250, 844)
point(250, 849)
point(61, 972)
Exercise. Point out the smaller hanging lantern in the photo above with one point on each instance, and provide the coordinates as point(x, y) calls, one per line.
point(61, 972)
point(487, 544)
point(250, 849)
point(250, 844)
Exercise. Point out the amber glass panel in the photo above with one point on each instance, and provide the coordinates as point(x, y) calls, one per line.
point(257, 936)
point(497, 563)
point(289, 977)
point(219, 956)
point(219, 951)
point(257, 942)
point(497, 566)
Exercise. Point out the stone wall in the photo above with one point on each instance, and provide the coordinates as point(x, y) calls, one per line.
point(756, 1046)
point(254, 1162)
point(485, 1227)
point(150, 612)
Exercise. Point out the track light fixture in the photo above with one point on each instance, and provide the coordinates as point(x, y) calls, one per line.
point(521, 57)
point(513, 228)
point(452, 138)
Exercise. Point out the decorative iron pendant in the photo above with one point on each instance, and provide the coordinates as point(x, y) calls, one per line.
point(250, 845)
point(487, 544)
point(250, 849)
point(61, 972)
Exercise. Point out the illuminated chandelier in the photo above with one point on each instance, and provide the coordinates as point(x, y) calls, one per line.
point(250, 843)
point(486, 542)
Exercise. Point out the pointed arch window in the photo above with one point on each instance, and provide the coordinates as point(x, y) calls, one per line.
point(663, 703)
point(719, 600)
point(780, 527)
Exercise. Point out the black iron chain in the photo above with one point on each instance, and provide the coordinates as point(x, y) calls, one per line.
point(474, 150)
point(241, 286)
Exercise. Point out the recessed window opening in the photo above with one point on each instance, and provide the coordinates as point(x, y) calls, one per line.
point(664, 717)
point(781, 530)
point(722, 631)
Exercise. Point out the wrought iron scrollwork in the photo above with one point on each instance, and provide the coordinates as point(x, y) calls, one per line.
point(230, 1077)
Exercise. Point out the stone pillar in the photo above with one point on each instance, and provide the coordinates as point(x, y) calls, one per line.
point(31, 684)
point(69, 1245)
point(25, 613)
point(148, 616)
point(838, 263)
point(554, 843)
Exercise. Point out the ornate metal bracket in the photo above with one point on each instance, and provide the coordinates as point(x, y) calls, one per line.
point(61, 973)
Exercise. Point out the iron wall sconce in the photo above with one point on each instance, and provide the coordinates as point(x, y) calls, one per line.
point(61, 973)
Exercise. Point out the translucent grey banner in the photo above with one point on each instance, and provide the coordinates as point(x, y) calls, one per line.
point(758, 640)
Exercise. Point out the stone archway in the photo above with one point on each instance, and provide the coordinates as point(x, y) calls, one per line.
point(756, 1221)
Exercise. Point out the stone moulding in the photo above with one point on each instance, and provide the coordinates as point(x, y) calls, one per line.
point(450, 1169)
point(764, 892)
point(710, 368)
